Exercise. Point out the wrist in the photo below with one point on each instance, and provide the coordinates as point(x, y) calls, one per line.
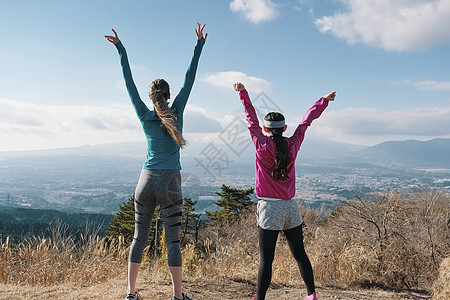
point(201, 41)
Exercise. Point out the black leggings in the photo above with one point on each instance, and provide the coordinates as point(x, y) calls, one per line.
point(267, 243)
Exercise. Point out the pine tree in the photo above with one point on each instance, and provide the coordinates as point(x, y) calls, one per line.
point(123, 223)
point(233, 201)
point(190, 219)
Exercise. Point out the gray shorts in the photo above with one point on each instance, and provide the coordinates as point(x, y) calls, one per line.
point(278, 214)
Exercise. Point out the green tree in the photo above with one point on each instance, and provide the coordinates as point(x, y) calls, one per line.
point(233, 201)
point(123, 223)
point(190, 219)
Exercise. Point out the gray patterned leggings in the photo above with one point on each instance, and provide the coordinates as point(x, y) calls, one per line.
point(161, 187)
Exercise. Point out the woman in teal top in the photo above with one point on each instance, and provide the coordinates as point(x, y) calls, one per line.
point(160, 180)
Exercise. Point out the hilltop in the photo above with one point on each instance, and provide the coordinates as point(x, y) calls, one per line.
point(346, 248)
point(200, 289)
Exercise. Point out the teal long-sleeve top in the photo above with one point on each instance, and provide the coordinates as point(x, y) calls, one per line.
point(163, 153)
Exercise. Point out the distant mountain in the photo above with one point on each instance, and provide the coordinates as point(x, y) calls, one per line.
point(410, 153)
point(314, 147)
point(131, 155)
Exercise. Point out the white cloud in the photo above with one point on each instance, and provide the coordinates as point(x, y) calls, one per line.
point(371, 126)
point(364, 126)
point(428, 85)
point(255, 11)
point(26, 126)
point(199, 120)
point(402, 25)
point(402, 82)
point(431, 85)
point(226, 79)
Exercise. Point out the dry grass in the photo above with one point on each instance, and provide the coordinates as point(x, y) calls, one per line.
point(441, 288)
point(397, 242)
point(40, 261)
point(231, 251)
point(394, 242)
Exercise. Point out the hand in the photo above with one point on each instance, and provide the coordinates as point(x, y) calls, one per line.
point(238, 87)
point(113, 39)
point(330, 96)
point(199, 31)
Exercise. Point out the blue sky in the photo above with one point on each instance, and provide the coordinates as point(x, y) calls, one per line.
point(61, 83)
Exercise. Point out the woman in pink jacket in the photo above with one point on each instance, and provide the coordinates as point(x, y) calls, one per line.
point(275, 188)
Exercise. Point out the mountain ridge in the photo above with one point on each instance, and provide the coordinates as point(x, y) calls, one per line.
point(431, 153)
point(407, 153)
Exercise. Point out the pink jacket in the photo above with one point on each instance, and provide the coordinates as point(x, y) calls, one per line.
point(266, 186)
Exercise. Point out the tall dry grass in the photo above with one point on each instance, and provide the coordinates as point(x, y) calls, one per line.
point(441, 288)
point(59, 259)
point(90, 260)
point(157, 266)
point(395, 241)
point(231, 250)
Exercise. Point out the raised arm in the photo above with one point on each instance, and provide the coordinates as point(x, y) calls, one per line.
point(313, 113)
point(139, 105)
point(181, 99)
point(250, 113)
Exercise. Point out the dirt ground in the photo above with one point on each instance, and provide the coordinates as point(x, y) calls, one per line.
point(199, 289)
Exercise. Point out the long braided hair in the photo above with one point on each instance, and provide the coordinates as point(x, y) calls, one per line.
point(280, 171)
point(159, 93)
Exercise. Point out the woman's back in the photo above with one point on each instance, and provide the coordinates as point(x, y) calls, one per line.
point(162, 150)
point(266, 186)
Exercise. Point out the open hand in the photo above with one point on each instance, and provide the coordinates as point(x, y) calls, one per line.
point(238, 87)
point(113, 39)
point(330, 96)
point(199, 31)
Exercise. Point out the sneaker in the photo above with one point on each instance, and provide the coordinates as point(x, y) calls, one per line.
point(184, 298)
point(135, 296)
point(311, 297)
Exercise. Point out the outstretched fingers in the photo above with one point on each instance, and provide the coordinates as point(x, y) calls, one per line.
point(199, 31)
point(113, 39)
point(115, 33)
